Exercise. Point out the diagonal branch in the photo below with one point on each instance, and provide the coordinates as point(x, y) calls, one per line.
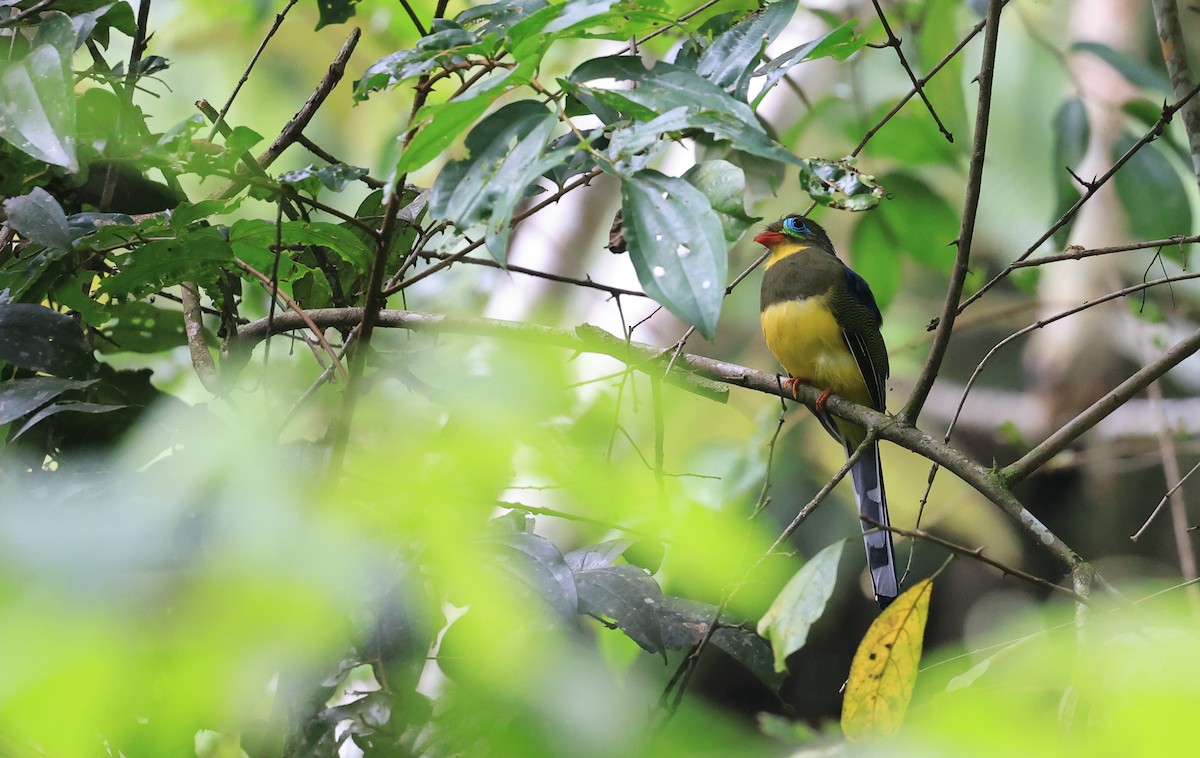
point(1058, 441)
point(649, 359)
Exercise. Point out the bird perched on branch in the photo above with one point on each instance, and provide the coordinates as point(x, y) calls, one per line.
point(821, 322)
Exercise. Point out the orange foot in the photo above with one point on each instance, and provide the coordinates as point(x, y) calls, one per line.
point(792, 382)
point(820, 404)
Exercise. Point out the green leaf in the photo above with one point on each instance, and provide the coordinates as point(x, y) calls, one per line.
point(38, 116)
point(496, 18)
point(39, 218)
point(629, 597)
point(729, 60)
point(919, 222)
point(447, 41)
point(252, 240)
point(241, 139)
point(875, 257)
point(662, 87)
point(140, 327)
point(38, 338)
point(800, 603)
point(840, 43)
point(724, 185)
point(441, 123)
point(677, 246)
point(162, 263)
point(940, 32)
point(335, 12)
point(507, 154)
point(1151, 191)
point(838, 184)
point(911, 137)
point(1135, 72)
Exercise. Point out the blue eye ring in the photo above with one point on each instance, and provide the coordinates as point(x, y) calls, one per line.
point(796, 225)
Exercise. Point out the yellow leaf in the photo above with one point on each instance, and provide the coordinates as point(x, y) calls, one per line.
point(885, 667)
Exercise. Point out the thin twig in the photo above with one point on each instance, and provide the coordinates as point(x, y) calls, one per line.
point(574, 282)
point(471, 247)
point(975, 554)
point(822, 493)
point(298, 123)
point(250, 67)
point(975, 30)
point(17, 18)
point(1165, 498)
point(376, 297)
point(894, 43)
point(1044, 322)
point(302, 314)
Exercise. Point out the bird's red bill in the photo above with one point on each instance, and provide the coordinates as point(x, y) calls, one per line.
point(769, 238)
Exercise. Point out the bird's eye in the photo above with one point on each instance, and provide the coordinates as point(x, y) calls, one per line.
point(797, 225)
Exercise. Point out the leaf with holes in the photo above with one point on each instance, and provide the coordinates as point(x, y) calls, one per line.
point(838, 184)
point(677, 246)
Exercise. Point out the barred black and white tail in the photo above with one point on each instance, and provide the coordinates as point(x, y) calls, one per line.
point(869, 493)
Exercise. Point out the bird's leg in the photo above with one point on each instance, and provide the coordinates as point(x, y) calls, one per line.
point(820, 404)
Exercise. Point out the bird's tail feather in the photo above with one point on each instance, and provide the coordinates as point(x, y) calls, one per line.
point(867, 474)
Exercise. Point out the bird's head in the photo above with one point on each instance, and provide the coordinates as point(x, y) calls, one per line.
point(796, 230)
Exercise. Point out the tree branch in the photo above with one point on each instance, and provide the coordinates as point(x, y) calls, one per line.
point(1174, 50)
point(966, 233)
point(1058, 441)
point(650, 359)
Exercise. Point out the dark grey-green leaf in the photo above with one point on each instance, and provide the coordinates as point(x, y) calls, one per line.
point(677, 246)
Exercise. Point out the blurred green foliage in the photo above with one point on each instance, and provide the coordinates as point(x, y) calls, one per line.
point(516, 557)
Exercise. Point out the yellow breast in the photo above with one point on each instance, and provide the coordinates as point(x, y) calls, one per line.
point(807, 341)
